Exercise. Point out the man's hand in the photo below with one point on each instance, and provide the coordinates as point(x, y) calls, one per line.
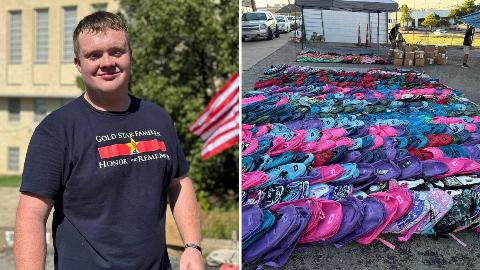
point(191, 259)
point(185, 211)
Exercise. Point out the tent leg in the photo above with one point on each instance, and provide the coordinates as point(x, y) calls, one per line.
point(304, 35)
point(323, 28)
point(378, 33)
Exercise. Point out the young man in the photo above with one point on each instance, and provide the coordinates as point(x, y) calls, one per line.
point(467, 44)
point(107, 162)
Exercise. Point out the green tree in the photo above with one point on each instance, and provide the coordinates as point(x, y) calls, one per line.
point(467, 7)
point(182, 52)
point(406, 15)
point(431, 20)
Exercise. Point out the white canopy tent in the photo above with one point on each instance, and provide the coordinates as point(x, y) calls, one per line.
point(365, 6)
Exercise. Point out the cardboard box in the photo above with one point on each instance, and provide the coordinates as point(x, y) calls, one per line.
point(429, 48)
point(409, 55)
point(408, 62)
point(390, 53)
point(398, 54)
point(442, 61)
point(442, 49)
point(430, 54)
point(398, 61)
point(419, 55)
point(409, 48)
point(419, 62)
point(430, 60)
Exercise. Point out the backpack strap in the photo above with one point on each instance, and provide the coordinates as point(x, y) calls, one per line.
point(407, 234)
point(457, 239)
point(386, 243)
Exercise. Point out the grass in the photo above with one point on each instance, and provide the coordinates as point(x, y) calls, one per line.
point(450, 39)
point(219, 222)
point(10, 180)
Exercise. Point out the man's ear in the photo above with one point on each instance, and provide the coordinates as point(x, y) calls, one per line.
point(77, 64)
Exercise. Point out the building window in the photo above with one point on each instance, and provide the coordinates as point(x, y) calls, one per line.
point(15, 37)
point(40, 108)
point(41, 36)
point(13, 109)
point(69, 24)
point(13, 159)
point(99, 7)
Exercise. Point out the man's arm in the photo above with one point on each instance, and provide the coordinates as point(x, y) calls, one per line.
point(30, 247)
point(185, 211)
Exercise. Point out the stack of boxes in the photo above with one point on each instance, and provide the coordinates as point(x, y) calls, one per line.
point(441, 58)
point(430, 54)
point(409, 59)
point(419, 56)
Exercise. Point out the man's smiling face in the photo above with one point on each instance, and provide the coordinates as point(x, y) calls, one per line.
point(104, 60)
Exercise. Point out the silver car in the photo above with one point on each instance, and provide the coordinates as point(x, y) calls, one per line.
point(283, 23)
point(259, 24)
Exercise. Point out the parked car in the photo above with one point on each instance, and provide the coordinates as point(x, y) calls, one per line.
point(259, 24)
point(293, 22)
point(440, 32)
point(283, 23)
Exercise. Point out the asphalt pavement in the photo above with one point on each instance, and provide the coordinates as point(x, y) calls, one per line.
point(419, 253)
point(258, 49)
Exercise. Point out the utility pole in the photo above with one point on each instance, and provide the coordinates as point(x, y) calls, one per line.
point(254, 6)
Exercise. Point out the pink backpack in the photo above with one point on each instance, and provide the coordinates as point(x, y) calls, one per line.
point(329, 222)
point(391, 206)
point(253, 179)
point(326, 217)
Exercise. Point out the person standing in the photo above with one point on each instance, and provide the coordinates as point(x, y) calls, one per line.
point(392, 36)
point(107, 162)
point(467, 44)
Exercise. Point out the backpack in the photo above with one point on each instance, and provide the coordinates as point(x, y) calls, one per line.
point(267, 223)
point(474, 214)
point(374, 215)
point(441, 203)
point(391, 206)
point(459, 212)
point(329, 222)
point(288, 222)
point(352, 210)
point(278, 256)
point(419, 210)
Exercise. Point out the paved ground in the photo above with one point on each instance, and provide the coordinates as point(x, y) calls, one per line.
point(259, 48)
point(419, 253)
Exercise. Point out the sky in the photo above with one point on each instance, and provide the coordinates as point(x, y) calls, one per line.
point(416, 4)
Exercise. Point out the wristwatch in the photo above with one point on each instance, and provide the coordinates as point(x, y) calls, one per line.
point(195, 246)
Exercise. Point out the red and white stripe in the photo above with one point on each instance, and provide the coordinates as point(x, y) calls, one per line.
point(218, 124)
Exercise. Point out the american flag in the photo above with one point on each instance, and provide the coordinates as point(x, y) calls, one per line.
point(218, 124)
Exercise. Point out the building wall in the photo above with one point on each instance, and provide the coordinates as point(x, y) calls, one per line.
point(342, 26)
point(53, 81)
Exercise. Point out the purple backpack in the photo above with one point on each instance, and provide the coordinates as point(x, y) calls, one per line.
point(352, 209)
point(286, 224)
point(278, 256)
point(252, 218)
point(374, 215)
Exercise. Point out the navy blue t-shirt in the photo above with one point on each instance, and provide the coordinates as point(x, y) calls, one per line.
point(108, 173)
